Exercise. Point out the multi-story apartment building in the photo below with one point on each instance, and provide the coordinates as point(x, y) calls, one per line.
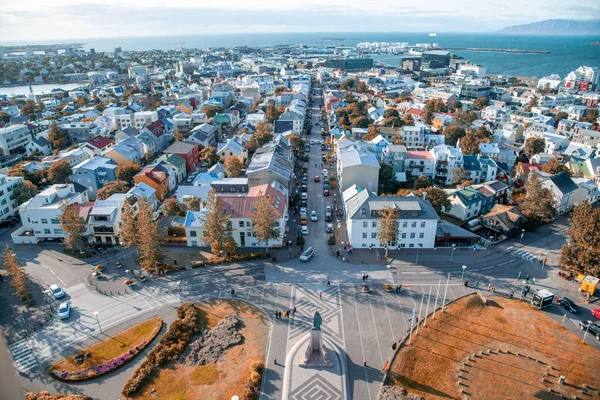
point(14, 137)
point(447, 159)
point(8, 206)
point(95, 173)
point(105, 218)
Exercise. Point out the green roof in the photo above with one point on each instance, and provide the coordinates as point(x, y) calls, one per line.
point(176, 160)
point(580, 166)
point(221, 118)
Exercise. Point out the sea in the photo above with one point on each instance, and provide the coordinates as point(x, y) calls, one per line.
point(566, 52)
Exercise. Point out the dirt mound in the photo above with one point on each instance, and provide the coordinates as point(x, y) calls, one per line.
point(397, 393)
point(210, 345)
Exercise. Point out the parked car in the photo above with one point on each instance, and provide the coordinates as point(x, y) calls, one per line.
point(304, 196)
point(329, 228)
point(57, 292)
point(314, 216)
point(303, 203)
point(326, 192)
point(304, 187)
point(317, 178)
point(324, 172)
point(328, 209)
point(8, 222)
point(328, 217)
point(304, 230)
point(302, 210)
point(64, 310)
point(325, 186)
point(596, 312)
point(307, 254)
point(569, 305)
point(593, 328)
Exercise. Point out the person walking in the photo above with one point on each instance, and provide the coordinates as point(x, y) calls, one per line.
point(320, 295)
point(527, 278)
point(294, 310)
point(489, 287)
point(533, 279)
point(366, 277)
point(363, 277)
point(1, 278)
point(394, 345)
point(328, 283)
point(276, 315)
point(519, 276)
point(232, 292)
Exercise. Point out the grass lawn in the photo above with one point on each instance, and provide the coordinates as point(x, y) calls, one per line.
point(226, 378)
point(505, 350)
point(112, 347)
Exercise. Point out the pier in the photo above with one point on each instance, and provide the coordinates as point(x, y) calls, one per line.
point(496, 50)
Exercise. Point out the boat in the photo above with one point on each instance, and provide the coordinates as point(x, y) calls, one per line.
point(433, 34)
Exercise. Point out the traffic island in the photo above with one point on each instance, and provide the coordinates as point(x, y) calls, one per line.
point(108, 354)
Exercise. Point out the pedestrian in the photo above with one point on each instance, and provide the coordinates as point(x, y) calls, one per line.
point(365, 364)
point(275, 361)
point(328, 283)
point(276, 315)
point(490, 287)
point(493, 289)
point(294, 310)
point(533, 280)
point(519, 276)
point(367, 277)
point(302, 248)
point(320, 295)
point(394, 346)
point(1, 278)
point(527, 278)
point(279, 312)
point(363, 277)
point(232, 292)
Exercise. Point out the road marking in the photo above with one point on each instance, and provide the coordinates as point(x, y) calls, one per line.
point(361, 343)
point(54, 273)
point(402, 311)
point(511, 247)
point(502, 263)
point(388, 313)
point(23, 357)
point(453, 295)
point(486, 268)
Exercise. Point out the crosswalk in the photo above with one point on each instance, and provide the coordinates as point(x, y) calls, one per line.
point(525, 255)
point(23, 357)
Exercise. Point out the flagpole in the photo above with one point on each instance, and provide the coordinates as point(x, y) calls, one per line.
point(420, 309)
point(412, 321)
point(427, 310)
point(446, 292)
point(436, 297)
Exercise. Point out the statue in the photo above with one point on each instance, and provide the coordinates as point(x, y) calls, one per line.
point(317, 321)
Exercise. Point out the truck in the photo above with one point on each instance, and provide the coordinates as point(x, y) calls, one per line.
point(542, 299)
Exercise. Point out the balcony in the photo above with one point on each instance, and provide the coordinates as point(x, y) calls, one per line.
point(104, 229)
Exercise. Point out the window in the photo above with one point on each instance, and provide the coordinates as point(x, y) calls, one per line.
point(412, 235)
point(364, 235)
point(193, 233)
point(47, 231)
point(44, 221)
point(373, 235)
point(421, 235)
point(58, 231)
point(414, 224)
point(55, 221)
point(403, 235)
point(405, 224)
point(402, 245)
point(365, 224)
point(423, 224)
point(374, 224)
point(411, 245)
point(241, 224)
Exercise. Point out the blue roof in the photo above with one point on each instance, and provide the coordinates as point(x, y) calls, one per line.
point(194, 219)
point(471, 163)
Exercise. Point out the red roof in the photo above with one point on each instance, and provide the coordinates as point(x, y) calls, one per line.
point(241, 206)
point(157, 128)
point(419, 154)
point(416, 111)
point(154, 174)
point(99, 142)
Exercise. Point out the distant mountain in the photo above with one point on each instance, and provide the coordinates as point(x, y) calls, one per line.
point(557, 27)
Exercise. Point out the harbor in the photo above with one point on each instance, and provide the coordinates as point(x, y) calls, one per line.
point(518, 51)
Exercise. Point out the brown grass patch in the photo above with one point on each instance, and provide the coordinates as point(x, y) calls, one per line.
point(430, 366)
point(226, 378)
point(112, 347)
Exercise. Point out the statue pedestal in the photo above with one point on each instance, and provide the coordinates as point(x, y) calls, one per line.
point(316, 354)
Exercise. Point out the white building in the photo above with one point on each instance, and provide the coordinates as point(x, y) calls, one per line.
point(446, 159)
point(551, 82)
point(357, 166)
point(105, 218)
point(8, 207)
point(40, 215)
point(417, 222)
point(13, 137)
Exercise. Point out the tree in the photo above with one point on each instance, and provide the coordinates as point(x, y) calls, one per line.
point(361, 87)
point(359, 122)
point(60, 172)
point(349, 97)
point(29, 107)
point(209, 156)
point(452, 133)
point(211, 111)
point(481, 103)
point(372, 133)
point(230, 246)
point(537, 204)
point(173, 208)
point(17, 170)
point(233, 167)
point(18, 277)
point(264, 220)
point(553, 166)
point(263, 135)
point(534, 145)
point(111, 188)
point(272, 113)
point(388, 227)
point(178, 136)
point(582, 253)
point(57, 138)
point(591, 116)
point(128, 231)
point(387, 179)
point(469, 145)
point(192, 203)
point(421, 182)
point(128, 170)
point(150, 254)
point(296, 142)
point(437, 197)
point(391, 112)
point(24, 191)
point(348, 84)
point(463, 118)
point(559, 117)
point(394, 122)
point(459, 174)
point(428, 115)
point(80, 102)
point(532, 103)
point(279, 90)
point(75, 227)
point(215, 223)
point(467, 183)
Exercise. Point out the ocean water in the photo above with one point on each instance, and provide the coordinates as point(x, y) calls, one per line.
point(566, 52)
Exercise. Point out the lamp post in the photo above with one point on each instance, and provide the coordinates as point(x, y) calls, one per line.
point(452, 254)
point(462, 277)
point(179, 289)
point(98, 321)
point(221, 254)
point(418, 246)
point(522, 234)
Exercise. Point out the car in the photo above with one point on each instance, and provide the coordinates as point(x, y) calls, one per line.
point(304, 196)
point(313, 142)
point(324, 172)
point(326, 192)
point(314, 216)
point(304, 188)
point(118, 264)
point(57, 292)
point(304, 230)
point(326, 180)
point(303, 203)
point(325, 185)
point(328, 217)
point(592, 328)
point(323, 148)
point(569, 305)
point(64, 310)
point(317, 178)
point(596, 312)
point(307, 254)
point(329, 228)
point(302, 210)
point(8, 223)
point(328, 209)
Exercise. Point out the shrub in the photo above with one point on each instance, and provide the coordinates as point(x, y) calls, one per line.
point(237, 257)
point(300, 241)
point(331, 241)
point(171, 344)
point(255, 379)
point(258, 366)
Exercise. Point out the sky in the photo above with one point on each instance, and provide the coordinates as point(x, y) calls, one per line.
point(31, 20)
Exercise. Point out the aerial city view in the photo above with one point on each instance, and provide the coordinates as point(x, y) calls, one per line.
point(299, 200)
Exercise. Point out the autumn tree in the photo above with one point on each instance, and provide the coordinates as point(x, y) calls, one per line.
point(388, 227)
point(553, 166)
point(57, 138)
point(60, 172)
point(459, 174)
point(17, 170)
point(534, 145)
point(24, 191)
point(393, 122)
point(75, 227)
point(421, 182)
point(428, 115)
point(111, 188)
point(372, 133)
point(128, 230)
point(359, 122)
point(467, 183)
point(537, 204)
point(469, 144)
point(192, 203)
point(481, 103)
point(150, 253)
point(215, 223)
point(349, 97)
point(128, 170)
point(452, 133)
point(296, 141)
point(532, 103)
point(387, 179)
point(211, 111)
point(29, 107)
point(209, 156)
point(177, 135)
point(264, 221)
point(591, 116)
point(80, 102)
point(582, 252)
point(559, 117)
point(437, 197)
point(173, 208)
point(233, 167)
point(262, 136)
point(18, 277)
point(272, 113)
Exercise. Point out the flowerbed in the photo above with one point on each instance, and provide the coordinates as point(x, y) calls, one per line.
point(237, 257)
point(103, 368)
